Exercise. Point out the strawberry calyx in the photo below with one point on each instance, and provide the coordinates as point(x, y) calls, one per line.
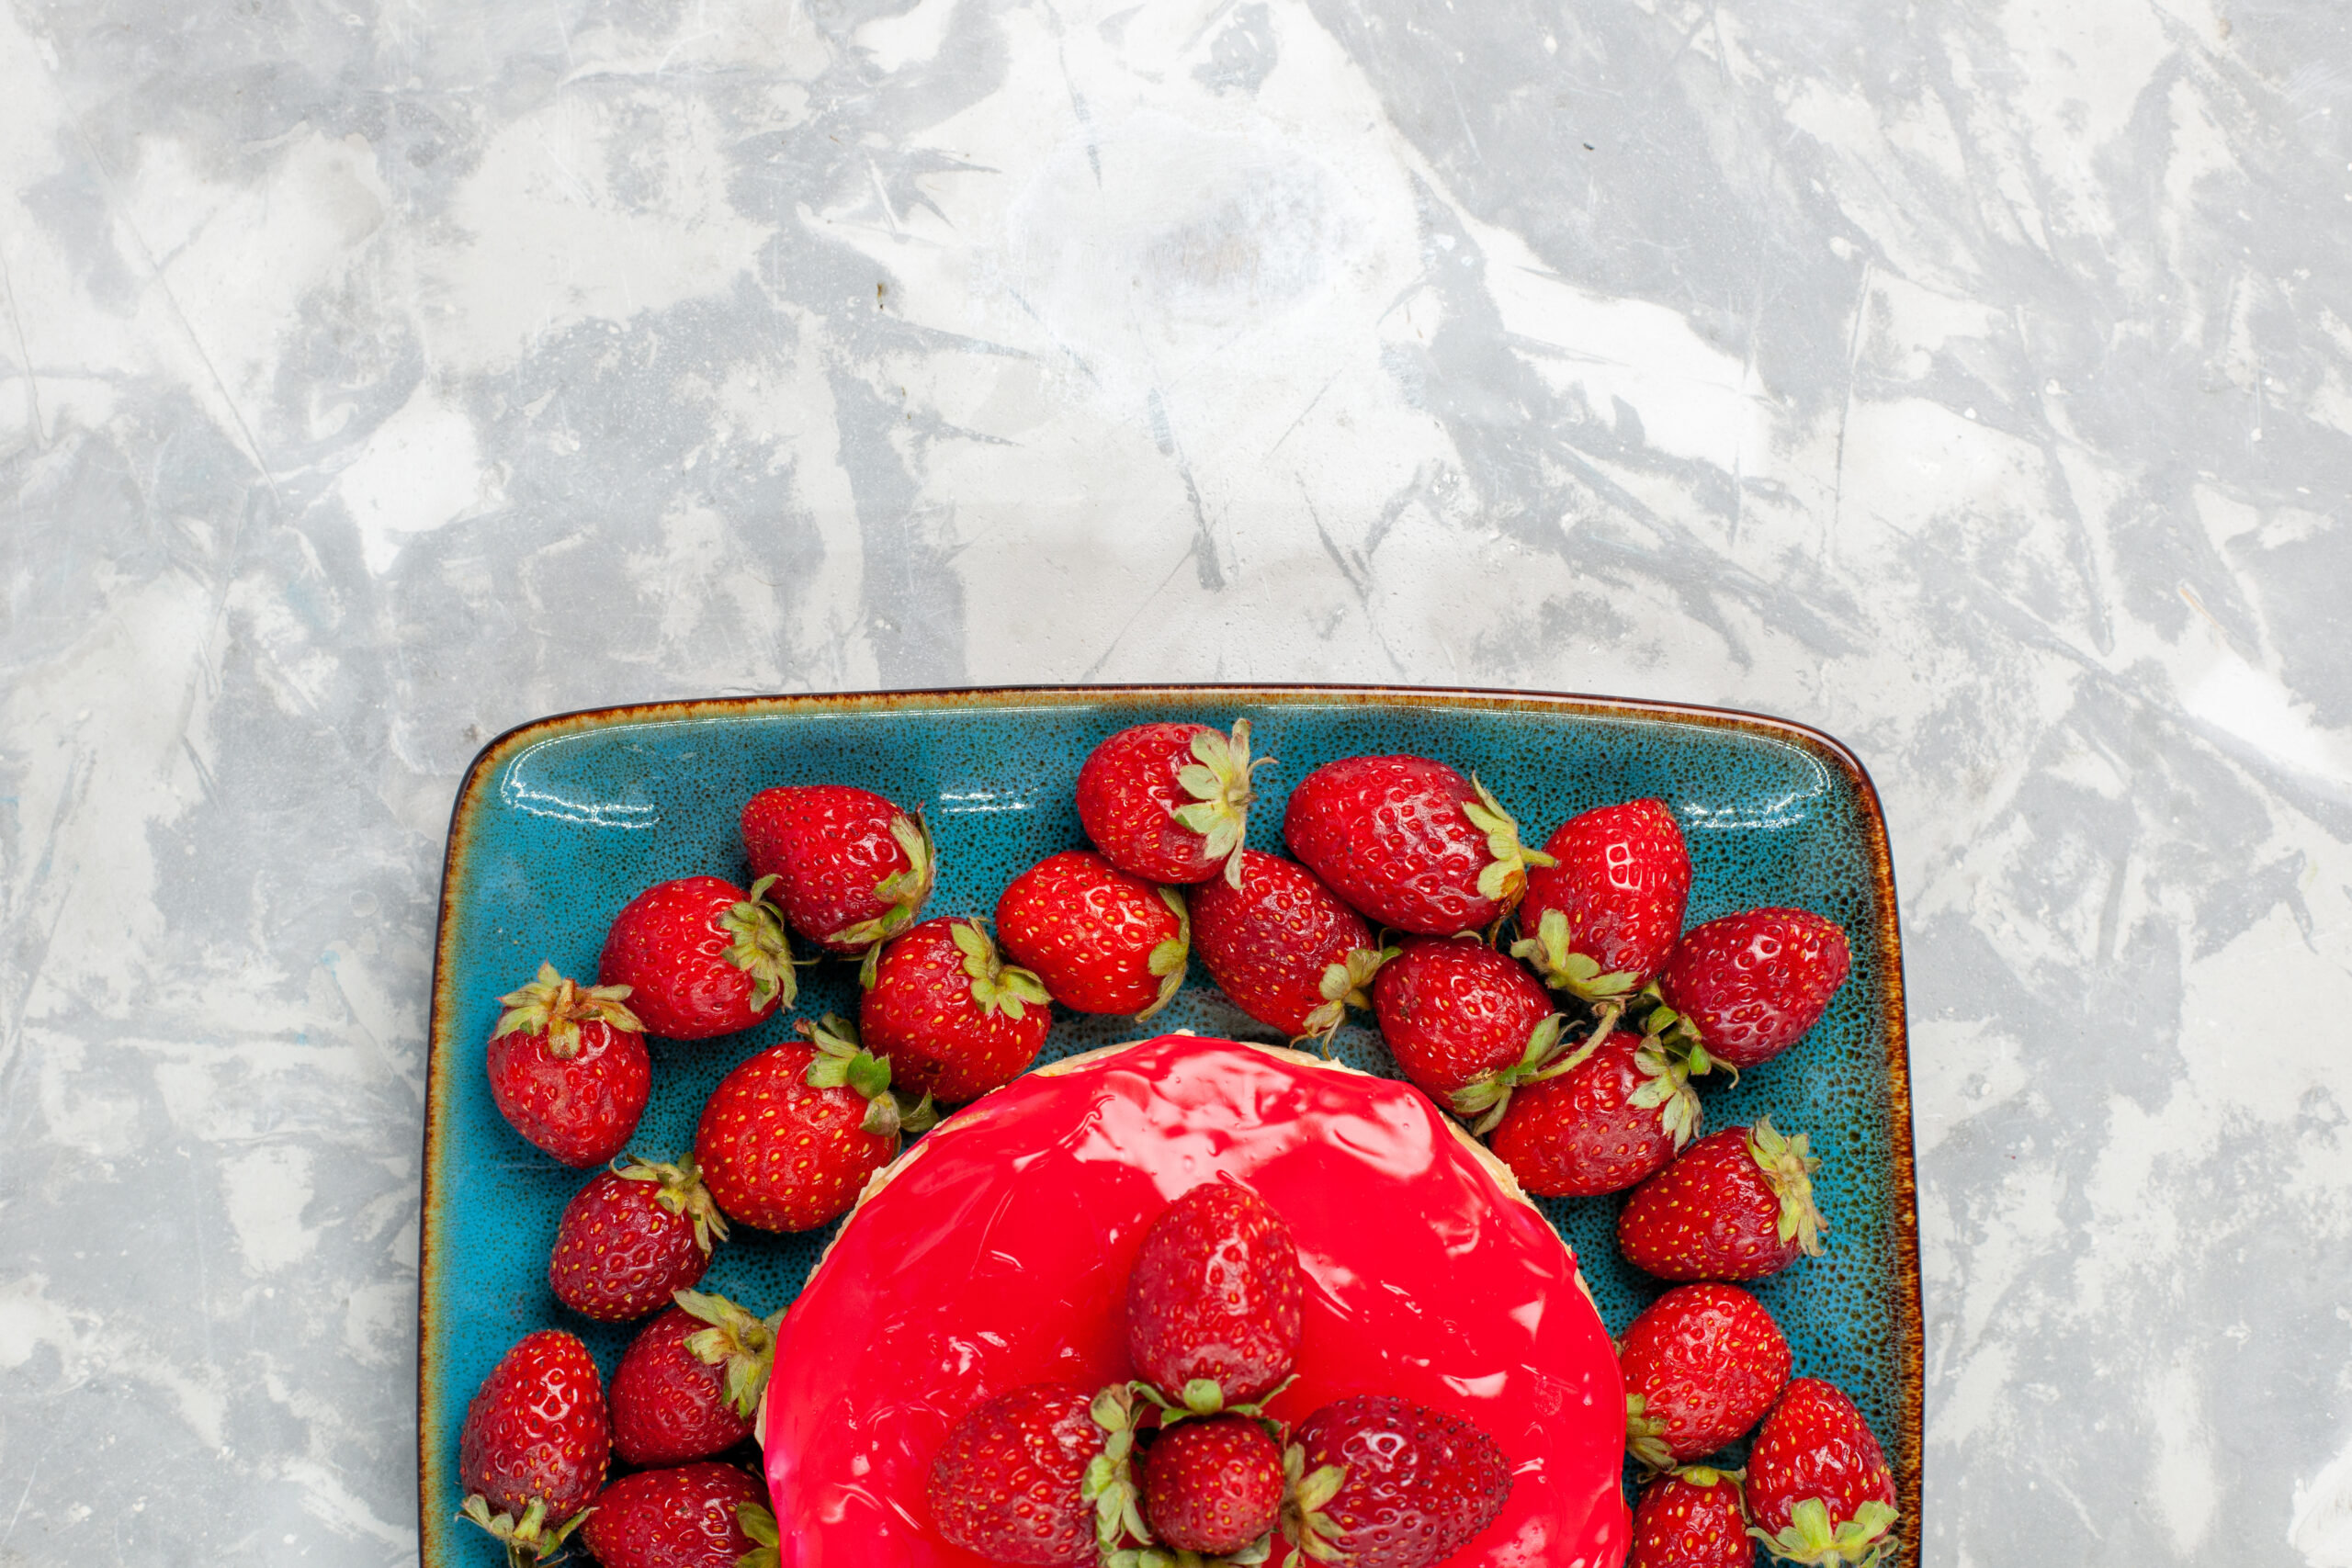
point(742, 1345)
point(680, 1192)
point(1665, 1088)
point(996, 985)
point(1812, 1539)
point(1489, 1096)
point(1645, 1436)
point(1505, 876)
point(1204, 1397)
point(1788, 1165)
point(530, 1539)
point(555, 1007)
point(1347, 984)
point(1677, 1038)
point(1250, 1556)
point(761, 948)
point(1168, 960)
point(1110, 1483)
point(843, 1063)
point(1218, 780)
point(1304, 1497)
point(759, 1525)
point(904, 891)
point(1564, 969)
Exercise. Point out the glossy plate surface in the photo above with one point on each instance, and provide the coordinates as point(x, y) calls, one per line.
point(560, 822)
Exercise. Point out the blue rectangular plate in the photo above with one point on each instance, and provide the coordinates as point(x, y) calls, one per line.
point(559, 823)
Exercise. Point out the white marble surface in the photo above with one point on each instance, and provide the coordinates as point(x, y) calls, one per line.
point(1974, 382)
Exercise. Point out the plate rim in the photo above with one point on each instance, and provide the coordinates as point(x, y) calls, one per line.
point(1909, 1462)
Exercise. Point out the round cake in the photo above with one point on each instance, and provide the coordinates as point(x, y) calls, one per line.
point(997, 1252)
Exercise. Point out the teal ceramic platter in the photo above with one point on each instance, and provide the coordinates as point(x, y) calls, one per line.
point(559, 823)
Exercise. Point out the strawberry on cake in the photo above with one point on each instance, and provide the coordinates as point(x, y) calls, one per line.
point(997, 1255)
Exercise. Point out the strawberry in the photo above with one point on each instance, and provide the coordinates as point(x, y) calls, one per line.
point(1818, 1486)
point(1409, 842)
point(630, 1237)
point(1748, 986)
point(787, 1140)
point(850, 868)
point(1283, 947)
point(1100, 940)
point(1213, 1486)
point(1602, 917)
point(1038, 1475)
point(1170, 802)
point(1605, 1119)
point(1738, 1205)
point(1214, 1300)
point(533, 1450)
point(953, 1017)
point(1464, 1022)
point(1376, 1482)
point(1692, 1519)
point(698, 1515)
point(702, 957)
point(689, 1383)
point(1701, 1365)
point(567, 1067)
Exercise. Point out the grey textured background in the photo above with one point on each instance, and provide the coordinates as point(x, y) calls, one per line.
point(1972, 382)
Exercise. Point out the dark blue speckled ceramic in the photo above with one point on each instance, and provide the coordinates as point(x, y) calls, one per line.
point(560, 822)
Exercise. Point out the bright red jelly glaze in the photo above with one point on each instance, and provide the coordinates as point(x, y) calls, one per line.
point(997, 1255)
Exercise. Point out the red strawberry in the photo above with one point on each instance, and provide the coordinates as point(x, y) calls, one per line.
point(568, 1068)
point(1214, 1300)
point(535, 1444)
point(1170, 802)
point(1213, 1486)
point(1738, 1205)
point(1283, 947)
point(1602, 1121)
point(1701, 1365)
point(698, 1515)
point(702, 957)
point(630, 1237)
point(688, 1384)
point(953, 1018)
point(1100, 940)
point(1038, 1475)
point(1748, 986)
point(1381, 1482)
point(1692, 1519)
point(851, 869)
point(1601, 920)
point(1464, 1022)
point(787, 1140)
point(1818, 1486)
point(1409, 842)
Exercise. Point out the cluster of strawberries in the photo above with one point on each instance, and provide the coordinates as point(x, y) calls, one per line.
point(1181, 1468)
point(1406, 877)
point(1703, 1365)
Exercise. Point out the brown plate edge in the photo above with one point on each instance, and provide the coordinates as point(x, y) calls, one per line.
point(1910, 1441)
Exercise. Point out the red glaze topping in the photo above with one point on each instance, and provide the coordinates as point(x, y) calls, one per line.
point(998, 1254)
